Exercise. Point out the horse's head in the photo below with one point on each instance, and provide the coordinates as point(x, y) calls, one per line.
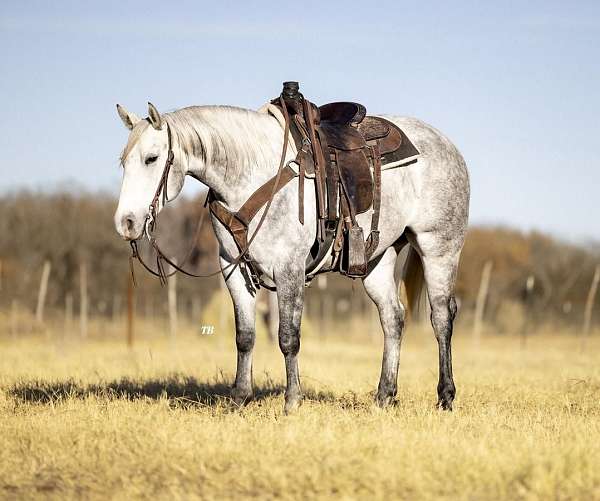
point(143, 160)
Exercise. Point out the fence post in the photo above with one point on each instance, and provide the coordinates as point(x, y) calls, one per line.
point(589, 306)
point(484, 286)
point(83, 301)
point(39, 310)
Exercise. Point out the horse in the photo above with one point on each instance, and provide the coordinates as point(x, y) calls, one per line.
point(233, 151)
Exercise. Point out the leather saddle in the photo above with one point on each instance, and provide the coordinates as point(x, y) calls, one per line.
point(349, 133)
point(343, 149)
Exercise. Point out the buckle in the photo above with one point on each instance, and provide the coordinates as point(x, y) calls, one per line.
point(149, 225)
point(293, 164)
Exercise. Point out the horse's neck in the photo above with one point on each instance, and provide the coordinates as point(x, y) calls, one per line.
point(233, 184)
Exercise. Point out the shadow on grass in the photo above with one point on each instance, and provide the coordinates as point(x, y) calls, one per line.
point(179, 391)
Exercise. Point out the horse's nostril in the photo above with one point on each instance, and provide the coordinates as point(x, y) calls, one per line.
point(128, 223)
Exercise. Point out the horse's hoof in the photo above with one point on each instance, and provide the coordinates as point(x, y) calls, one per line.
point(446, 398)
point(445, 403)
point(444, 406)
point(241, 396)
point(292, 404)
point(384, 400)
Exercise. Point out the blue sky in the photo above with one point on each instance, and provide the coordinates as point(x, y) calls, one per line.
point(516, 85)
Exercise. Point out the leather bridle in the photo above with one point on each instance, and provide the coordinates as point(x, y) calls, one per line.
point(161, 191)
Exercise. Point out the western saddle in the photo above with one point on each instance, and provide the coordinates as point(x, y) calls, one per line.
point(343, 150)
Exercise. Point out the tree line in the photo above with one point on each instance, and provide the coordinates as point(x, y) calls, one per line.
point(532, 274)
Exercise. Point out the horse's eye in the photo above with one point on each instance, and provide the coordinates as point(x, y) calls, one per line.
point(151, 159)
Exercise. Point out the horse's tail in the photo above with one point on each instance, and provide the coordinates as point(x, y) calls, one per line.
point(412, 276)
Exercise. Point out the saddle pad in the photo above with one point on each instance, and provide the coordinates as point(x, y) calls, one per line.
point(404, 154)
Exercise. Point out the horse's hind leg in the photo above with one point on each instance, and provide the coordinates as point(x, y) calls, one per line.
point(383, 290)
point(440, 263)
point(244, 305)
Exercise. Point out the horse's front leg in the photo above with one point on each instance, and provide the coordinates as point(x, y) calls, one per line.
point(244, 305)
point(290, 300)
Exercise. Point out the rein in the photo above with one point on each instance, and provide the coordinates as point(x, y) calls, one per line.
point(151, 219)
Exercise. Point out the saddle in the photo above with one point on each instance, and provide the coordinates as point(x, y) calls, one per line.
point(343, 149)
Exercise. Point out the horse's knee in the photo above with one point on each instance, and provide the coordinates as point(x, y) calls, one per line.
point(289, 342)
point(244, 340)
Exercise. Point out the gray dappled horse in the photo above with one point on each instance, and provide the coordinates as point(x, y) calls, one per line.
point(234, 151)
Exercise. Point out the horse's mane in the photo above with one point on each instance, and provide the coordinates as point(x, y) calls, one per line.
point(219, 135)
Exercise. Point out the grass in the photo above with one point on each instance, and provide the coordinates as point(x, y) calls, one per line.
point(97, 420)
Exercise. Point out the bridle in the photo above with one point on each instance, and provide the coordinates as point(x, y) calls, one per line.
point(161, 194)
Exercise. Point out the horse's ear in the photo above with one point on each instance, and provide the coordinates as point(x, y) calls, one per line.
point(154, 116)
point(129, 119)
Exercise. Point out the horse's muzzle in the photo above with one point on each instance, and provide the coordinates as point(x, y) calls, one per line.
point(128, 227)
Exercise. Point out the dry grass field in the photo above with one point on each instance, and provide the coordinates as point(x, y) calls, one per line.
point(96, 420)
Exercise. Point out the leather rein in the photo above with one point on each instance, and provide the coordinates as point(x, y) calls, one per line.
point(161, 194)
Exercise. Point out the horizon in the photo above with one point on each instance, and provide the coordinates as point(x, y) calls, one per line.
point(514, 89)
